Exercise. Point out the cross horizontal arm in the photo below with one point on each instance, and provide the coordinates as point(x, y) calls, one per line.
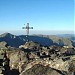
point(23, 27)
point(30, 27)
point(27, 27)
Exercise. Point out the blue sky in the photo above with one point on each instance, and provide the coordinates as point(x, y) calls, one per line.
point(46, 16)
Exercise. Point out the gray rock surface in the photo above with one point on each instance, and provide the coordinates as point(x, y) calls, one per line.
point(42, 70)
point(30, 45)
point(3, 44)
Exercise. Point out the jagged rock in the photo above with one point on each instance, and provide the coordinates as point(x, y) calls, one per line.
point(53, 56)
point(54, 65)
point(30, 45)
point(72, 57)
point(70, 51)
point(22, 66)
point(60, 64)
point(63, 50)
point(32, 55)
point(1, 70)
point(41, 70)
point(3, 44)
point(15, 57)
point(72, 66)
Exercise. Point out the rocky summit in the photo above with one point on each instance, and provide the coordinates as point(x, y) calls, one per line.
point(35, 59)
point(42, 55)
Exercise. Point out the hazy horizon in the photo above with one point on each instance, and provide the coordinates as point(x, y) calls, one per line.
point(45, 16)
point(39, 32)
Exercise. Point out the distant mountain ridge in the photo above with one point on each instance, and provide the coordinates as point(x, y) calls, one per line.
point(70, 36)
point(16, 41)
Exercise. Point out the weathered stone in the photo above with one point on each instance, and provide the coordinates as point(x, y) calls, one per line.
point(15, 58)
point(3, 45)
point(0, 70)
point(72, 66)
point(30, 45)
point(41, 70)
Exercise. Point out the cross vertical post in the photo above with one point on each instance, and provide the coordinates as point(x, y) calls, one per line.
point(27, 30)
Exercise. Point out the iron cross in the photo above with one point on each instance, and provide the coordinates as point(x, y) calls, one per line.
point(27, 28)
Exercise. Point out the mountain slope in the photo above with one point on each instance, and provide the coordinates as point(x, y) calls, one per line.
point(68, 36)
point(42, 40)
point(16, 41)
point(12, 40)
point(61, 41)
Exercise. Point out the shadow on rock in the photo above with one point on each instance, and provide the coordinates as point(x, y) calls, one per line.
point(12, 72)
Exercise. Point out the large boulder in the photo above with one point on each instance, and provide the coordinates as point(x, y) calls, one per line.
point(72, 66)
point(30, 45)
point(16, 57)
point(41, 70)
point(3, 44)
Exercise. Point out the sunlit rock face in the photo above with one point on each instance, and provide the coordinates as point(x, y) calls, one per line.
point(35, 59)
point(3, 45)
point(30, 45)
point(72, 66)
point(42, 70)
point(16, 57)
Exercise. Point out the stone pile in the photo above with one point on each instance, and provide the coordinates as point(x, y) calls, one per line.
point(28, 58)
